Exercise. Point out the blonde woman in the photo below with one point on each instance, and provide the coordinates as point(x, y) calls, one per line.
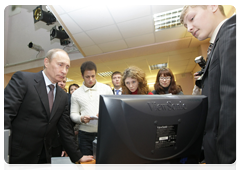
point(134, 81)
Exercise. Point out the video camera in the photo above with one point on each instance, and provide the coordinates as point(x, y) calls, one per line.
point(202, 63)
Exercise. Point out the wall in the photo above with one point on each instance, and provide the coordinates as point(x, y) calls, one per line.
point(185, 80)
point(6, 80)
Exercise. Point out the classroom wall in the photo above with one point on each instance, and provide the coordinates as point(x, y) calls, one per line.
point(185, 80)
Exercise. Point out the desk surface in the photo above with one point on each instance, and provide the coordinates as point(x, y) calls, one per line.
point(89, 165)
point(66, 160)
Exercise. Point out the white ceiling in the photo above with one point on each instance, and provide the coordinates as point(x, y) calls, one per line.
point(115, 37)
point(101, 29)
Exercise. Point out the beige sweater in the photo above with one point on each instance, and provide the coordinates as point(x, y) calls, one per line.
point(85, 102)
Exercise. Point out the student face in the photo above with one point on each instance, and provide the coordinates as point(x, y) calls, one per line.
point(200, 22)
point(131, 83)
point(57, 69)
point(72, 89)
point(116, 80)
point(62, 83)
point(164, 80)
point(89, 77)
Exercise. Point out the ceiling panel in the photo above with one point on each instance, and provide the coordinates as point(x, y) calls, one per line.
point(92, 50)
point(68, 21)
point(92, 17)
point(140, 40)
point(70, 8)
point(178, 63)
point(170, 34)
point(83, 39)
point(123, 13)
point(104, 34)
point(60, 10)
point(113, 46)
point(176, 58)
point(136, 27)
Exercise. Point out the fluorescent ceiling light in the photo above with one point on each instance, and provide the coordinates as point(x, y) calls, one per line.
point(167, 19)
point(105, 74)
point(158, 66)
point(69, 80)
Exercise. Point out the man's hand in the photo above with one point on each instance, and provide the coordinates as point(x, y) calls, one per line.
point(196, 76)
point(86, 119)
point(86, 159)
point(64, 154)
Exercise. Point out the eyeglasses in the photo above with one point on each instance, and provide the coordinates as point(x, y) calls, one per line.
point(164, 78)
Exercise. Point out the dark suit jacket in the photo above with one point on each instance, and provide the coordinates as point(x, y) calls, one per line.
point(27, 114)
point(219, 84)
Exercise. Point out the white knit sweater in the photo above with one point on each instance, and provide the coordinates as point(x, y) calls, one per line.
point(85, 102)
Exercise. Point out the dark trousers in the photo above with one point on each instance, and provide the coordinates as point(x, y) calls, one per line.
point(42, 158)
point(85, 140)
point(57, 151)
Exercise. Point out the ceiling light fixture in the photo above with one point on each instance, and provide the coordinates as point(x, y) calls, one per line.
point(69, 80)
point(158, 66)
point(167, 19)
point(65, 42)
point(40, 15)
point(60, 34)
point(105, 74)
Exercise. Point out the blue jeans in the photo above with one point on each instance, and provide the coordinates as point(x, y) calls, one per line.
point(85, 140)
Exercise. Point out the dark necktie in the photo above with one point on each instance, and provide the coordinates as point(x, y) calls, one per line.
point(209, 50)
point(50, 96)
point(117, 92)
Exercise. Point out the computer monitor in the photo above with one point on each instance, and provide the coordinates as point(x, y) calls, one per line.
point(138, 129)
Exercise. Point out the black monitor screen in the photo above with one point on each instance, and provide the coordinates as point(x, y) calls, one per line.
point(137, 129)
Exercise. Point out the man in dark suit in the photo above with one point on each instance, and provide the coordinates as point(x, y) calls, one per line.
point(218, 80)
point(116, 81)
point(28, 113)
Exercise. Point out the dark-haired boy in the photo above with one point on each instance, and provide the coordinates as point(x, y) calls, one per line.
point(85, 106)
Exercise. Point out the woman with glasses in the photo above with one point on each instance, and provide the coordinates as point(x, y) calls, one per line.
point(165, 83)
point(134, 81)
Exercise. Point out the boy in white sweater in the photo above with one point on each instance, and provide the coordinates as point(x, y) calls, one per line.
point(85, 106)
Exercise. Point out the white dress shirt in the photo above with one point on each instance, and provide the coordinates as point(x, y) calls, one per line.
point(214, 35)
point(48, 82)
point(119, 93)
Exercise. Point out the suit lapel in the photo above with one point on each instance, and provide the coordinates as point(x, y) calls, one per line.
point(40, 87)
